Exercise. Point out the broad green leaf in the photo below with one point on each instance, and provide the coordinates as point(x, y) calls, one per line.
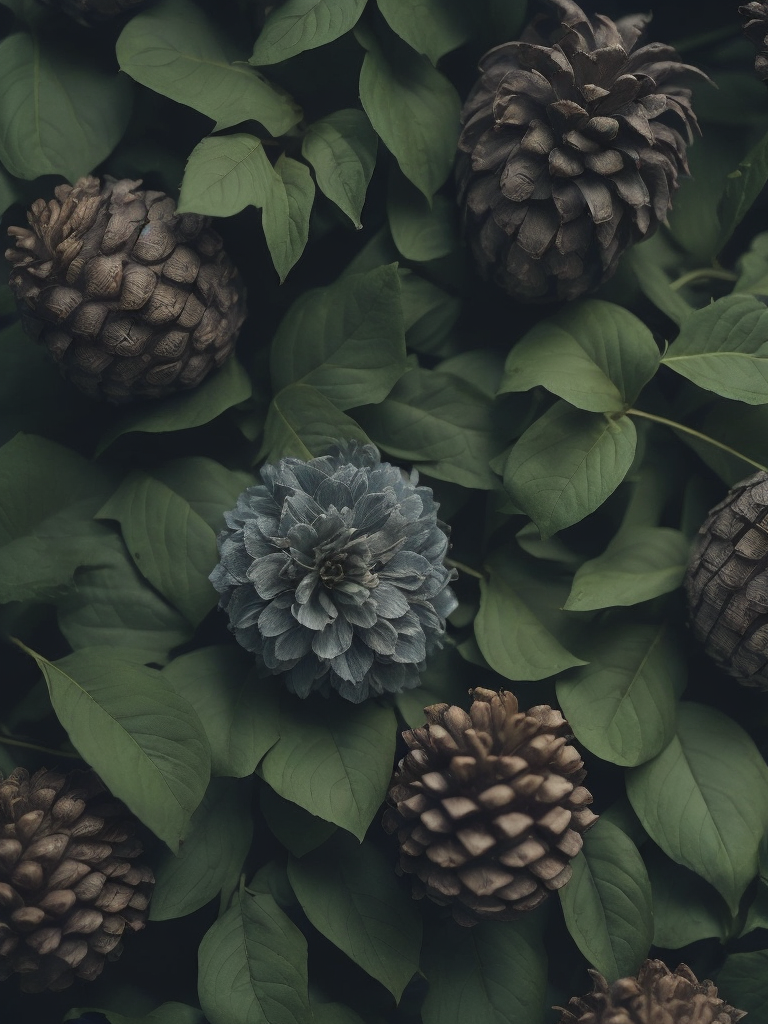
point(238, 710)
point(482, 367)
point(607, 903)
point(704, 799)
point(621, 705)
point(171, 546)
point(175, 50)
point(753, 267)
point(637, 565)
point(303, 423)
point(513, 640)
point(167, 1013)
point(353, 897)
point(334, 1013)
point(112, 605)
point(252, 966)
point(494, 973)
point(723, 348)
point(441, 423)
point(333, 758)
point(693, 219)
point(431, 27)
point(224, 388)
point(226, 173)
point(342, 150)
point(210, 488)
point(58, 113)
point(421, 230)
point(300, 25)
point(8, 191)
point(429, 314)
point(139, 735)
point(597, 356)
point(685, 908)
point(297, 829)
point(346, 340)
point(414, 109)
point(211, 856)
point(742, 187)
point(743, 982)
point(641, 260)
point(566, 464)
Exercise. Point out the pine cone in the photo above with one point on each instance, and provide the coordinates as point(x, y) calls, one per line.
point(727, 583)
point(756, 31)
point(132, 299)
point(488, 808)
point(68, 888)
point(571, 150)
point(655, 996)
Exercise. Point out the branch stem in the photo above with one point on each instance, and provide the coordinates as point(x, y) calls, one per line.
point(7, 741)
point(698, 435)
point(453, 564)
point(702, 274)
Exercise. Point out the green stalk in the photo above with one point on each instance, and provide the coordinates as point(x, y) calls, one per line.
point(697, 434)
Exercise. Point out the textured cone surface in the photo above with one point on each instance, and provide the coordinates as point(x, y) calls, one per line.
point(487, 806)
point(655, 996)
point(69, 883)
point(132, 299)
point(756, 30)
point(572, 144)
point(727, 582)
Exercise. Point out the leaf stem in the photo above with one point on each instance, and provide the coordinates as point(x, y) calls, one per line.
point(7, 741)
point(453, 564)
point(705, 38)
point(701, 274)
point(697, 434)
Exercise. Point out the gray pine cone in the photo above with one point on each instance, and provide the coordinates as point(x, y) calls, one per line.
point(727, 582)
point(756, 31)
point(655, 996)
point(488, 807)
point(132, 299)
point(572, 145)
point(69, 886)
point(332, 572)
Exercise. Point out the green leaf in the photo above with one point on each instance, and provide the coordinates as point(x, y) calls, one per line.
point(299, 25)
point(171, 546)
point(210, 488)
point(145, 741)
point(353, 897)
point(334, 1013)
point(303, 423)
point(642, 262)
point(252, 966)
point(753, 267)
point(175, 50)
point(621, 705)
point(297, 829)
point(211, 856)
point(637, 565)
point(742, 187)
point(743, 982)
point(333, 758)
point(513, 640)
point(8, 191)
point(342, 150)
point(285, 217)
point(347, 340)
point(58, 115)
point(431, 27)
point(482, 367)
point(704, 799)
point(685, 908)
point(723, 348)
point(421, 230)
point(595, 355)
point(693, 219)
point(168, 1013)
point(224, 388)
point(112, 605)
point(429, 314)
point(439, 422)
point(414, 109)
point(607, 903)
point(566, 464)
point(238, 710)
point(494, 973)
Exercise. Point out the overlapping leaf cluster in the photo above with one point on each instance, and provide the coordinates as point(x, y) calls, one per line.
point(574, 452)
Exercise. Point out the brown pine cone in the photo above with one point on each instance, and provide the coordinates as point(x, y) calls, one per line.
point(487, 806)
point(655, 996)
point(756, 31)
point(572, 146)
point(68, 887)
point(727, 583)
point(132, 299)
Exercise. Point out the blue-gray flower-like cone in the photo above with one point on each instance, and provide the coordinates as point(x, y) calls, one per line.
point(332, 572)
